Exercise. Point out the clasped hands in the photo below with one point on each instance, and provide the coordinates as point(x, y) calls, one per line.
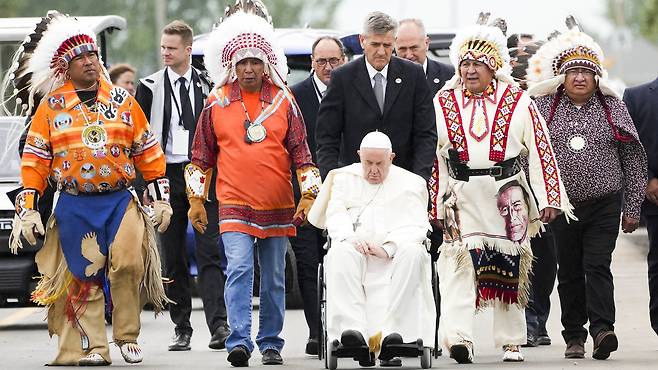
point(368, 248)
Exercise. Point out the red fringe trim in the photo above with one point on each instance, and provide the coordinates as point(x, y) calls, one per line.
point(76, 299)
point(490, 294)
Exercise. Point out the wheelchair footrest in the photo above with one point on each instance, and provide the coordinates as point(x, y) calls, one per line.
point(357, 353)
point(405, 350)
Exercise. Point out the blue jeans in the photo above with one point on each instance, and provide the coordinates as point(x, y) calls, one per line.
point(239, 249)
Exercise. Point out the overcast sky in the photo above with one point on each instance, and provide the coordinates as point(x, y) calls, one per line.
point(529, 16)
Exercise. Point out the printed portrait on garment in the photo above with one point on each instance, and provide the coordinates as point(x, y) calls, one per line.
point(512, 202)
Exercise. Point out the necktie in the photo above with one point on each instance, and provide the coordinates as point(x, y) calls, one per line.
point(187, 115)
point(379, 90)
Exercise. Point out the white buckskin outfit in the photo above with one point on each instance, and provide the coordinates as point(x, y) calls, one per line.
point(482, 197)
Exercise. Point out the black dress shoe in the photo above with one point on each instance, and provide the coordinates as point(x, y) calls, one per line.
point(239, 356)
point(369, 362)
point(394, 362)
point(386, 354)
point(544, 340)
point(604, 343)
point(312, 347)
point(575, 348)
point(272, 357)
point(352, 338)
point(218, 340)
point(180, 342)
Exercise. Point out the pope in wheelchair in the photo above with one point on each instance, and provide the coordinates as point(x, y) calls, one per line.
point(378, 270)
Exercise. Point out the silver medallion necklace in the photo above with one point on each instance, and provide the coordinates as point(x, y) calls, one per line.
point(255, 132)
point(93, 135)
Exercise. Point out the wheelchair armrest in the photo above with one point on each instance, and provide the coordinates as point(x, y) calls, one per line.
point(325, 233)
point(435, 238)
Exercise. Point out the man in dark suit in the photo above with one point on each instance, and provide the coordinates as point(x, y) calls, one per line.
point(642, 104)
point(327, 53)
point(378, 92)
point(412, 44)
point(172, 100)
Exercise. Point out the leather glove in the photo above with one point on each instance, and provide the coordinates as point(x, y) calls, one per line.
point(197, 214)
point(309, 182)
point(158, 190)
point(162, 215)
point(31, 223)
point(27, 220)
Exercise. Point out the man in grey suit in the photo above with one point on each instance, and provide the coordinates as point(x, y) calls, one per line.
point(412, 43)
point(378, 92)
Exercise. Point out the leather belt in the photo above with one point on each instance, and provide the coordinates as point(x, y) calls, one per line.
point(75, 191)
point(458, 170)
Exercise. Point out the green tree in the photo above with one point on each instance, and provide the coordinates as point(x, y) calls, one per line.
point(139, 43)
point(639, 15)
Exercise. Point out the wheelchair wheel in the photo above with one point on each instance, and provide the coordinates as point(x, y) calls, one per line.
point(331, 360)
point(426, 358)
point(322, 341)
point(437, 306)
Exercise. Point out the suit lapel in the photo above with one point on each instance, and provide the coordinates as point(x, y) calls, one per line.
point(429, 74)
point(433, 73)
point(364, 86)
point(166, 118)
point(310, 91)
point(436, 76)
point(394, 81)
point(198, 96)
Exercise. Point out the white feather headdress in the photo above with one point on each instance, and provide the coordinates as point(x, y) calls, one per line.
point(40, 64)
point(483, 43)
point(244, 34)
point(572, 49)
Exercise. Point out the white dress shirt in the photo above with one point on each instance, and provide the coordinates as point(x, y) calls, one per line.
point(372, 72)
point(175, 121)
point(321, 87)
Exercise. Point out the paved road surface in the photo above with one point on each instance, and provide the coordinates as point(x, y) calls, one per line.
point(24, 342)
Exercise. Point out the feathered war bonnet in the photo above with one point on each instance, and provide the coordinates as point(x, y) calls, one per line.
point(40, 65)
point(483, 43)
point(572, 49)
point(246, 32)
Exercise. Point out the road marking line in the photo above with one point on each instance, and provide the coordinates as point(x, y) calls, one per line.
point(18, 316)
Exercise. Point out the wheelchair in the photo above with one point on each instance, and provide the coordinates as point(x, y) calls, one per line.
point(330, 352)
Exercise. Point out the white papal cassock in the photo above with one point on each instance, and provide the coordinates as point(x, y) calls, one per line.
point(370, 294)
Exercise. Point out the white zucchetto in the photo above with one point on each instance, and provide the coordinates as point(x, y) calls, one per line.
point(376, 140)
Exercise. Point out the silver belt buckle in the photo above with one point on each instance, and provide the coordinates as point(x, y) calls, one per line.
point(496, 171)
